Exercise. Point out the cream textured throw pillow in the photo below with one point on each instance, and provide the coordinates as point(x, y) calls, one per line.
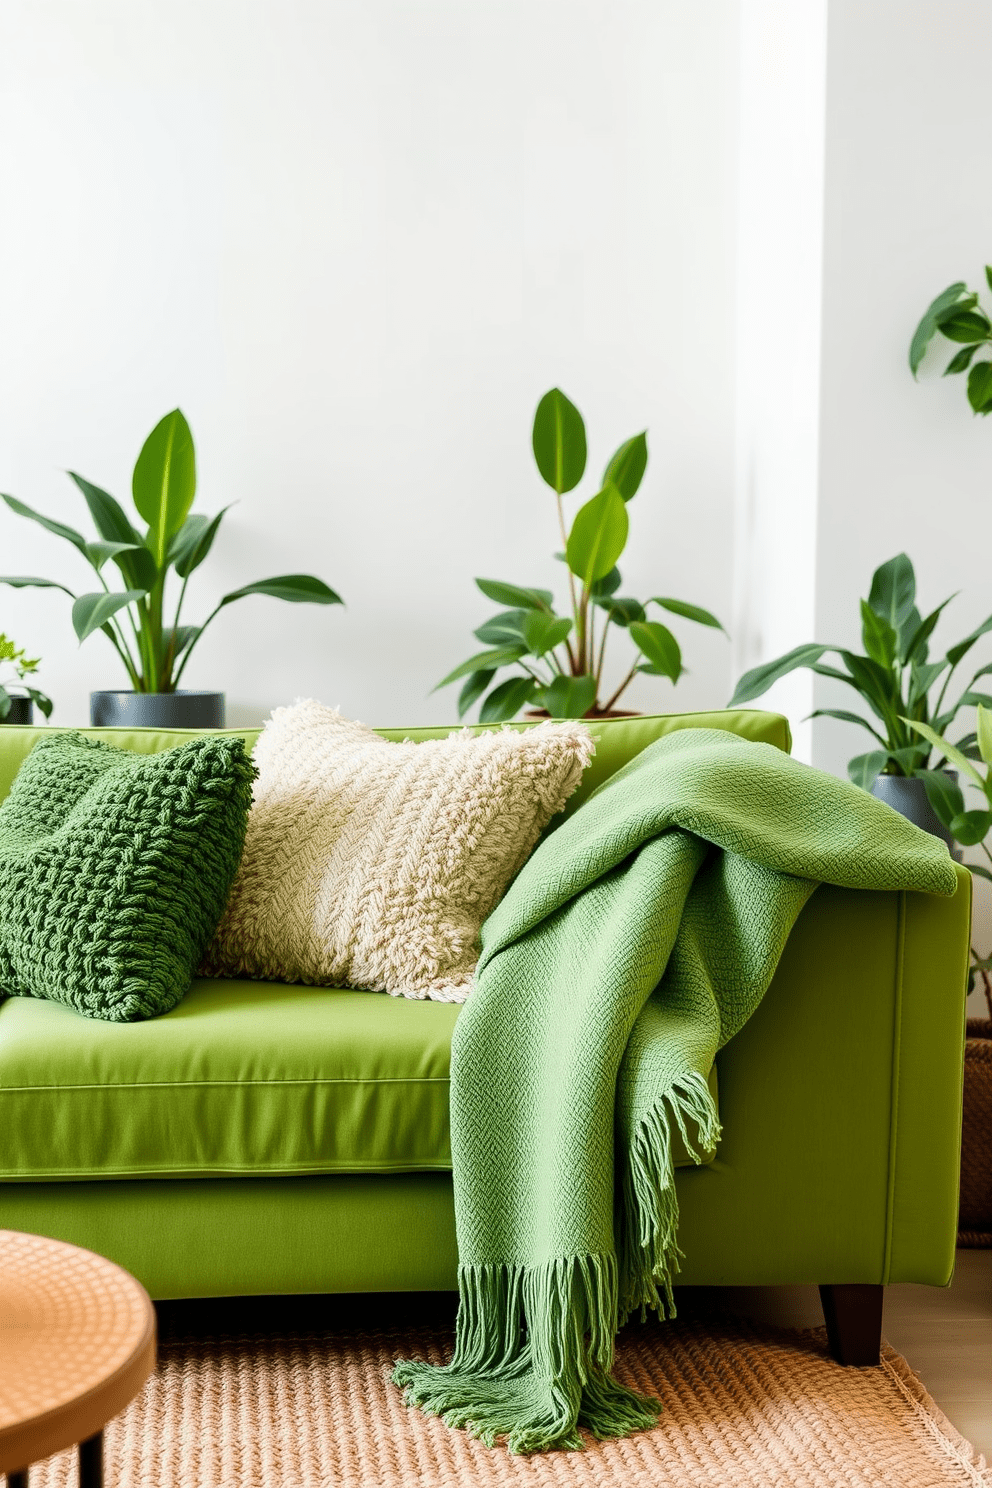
point(370, 863)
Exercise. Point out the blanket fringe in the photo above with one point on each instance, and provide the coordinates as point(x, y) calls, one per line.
point(533, 1350)
point(648, 1226)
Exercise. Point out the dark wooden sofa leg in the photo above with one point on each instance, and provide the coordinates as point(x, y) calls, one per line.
point(853, 1315)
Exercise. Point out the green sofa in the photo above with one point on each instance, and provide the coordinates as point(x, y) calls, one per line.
point(264, 1138)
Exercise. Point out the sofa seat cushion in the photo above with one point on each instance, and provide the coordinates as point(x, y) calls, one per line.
point(242, 1078)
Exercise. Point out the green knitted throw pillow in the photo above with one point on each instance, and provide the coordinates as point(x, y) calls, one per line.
point(115, 868)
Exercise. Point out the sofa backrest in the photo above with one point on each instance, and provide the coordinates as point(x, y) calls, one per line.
point(617, 739)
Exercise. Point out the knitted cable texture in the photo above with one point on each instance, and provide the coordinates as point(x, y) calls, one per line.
point(370, 863)
point(114, 869)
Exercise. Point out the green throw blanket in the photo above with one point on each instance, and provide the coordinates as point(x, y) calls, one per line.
point(636, 941)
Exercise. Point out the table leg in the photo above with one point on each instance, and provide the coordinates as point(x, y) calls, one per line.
point(91, 1462)
point(18, 1479)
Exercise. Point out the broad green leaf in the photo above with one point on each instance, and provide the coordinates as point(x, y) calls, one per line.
point(961, 360)
point(865, 769)
point(568, 697)
point(968, 746)
point(108, 514)
point(484, 660)
point(877, 636)
point(893, 590)
point(980, 387)
point(99, 552)
point(513, 594)
point(20, 581)
point(294, 588)
point(50, 525)
point(872, 679)
point(91, 611)
point(966, 326)
point(844, 717)
point(40, 701)
point(656, 642)
point(504, 629)
point(559, 442)
point(604, 587)
point(912, 760)
point(622, 611)
point(913, 645)
point(928, 325)
point(943, 793)
point(506, 700)
point(598, 535)
point(988, 275)
point(544, 632)
point(983, 728)
point(760, 678)
point(626, 469)
point(164, 481)
point(688, 611)
point(184, 638)
point(907, 630)
point(948, 751)
point(138, 568)
point(922, 677)
point(955, 653)
point(971, 827)
point(971, 699)
point(193, 542)
point(473, 689)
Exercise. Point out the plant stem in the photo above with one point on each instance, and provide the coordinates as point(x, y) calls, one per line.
point(602, 655)
point(622, 688)
point(573, 658)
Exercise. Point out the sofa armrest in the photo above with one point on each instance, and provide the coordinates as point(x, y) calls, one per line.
point(841, 1104)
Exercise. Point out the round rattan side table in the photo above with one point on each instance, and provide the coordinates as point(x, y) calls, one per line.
point(77, 1342)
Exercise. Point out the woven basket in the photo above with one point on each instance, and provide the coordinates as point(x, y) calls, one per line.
point(975, 1218)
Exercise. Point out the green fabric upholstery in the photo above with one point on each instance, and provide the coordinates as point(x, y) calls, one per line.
point(841, 1104)
point(240, 1078)
point(840, 1100)
point(115, 868)
point(617, 739)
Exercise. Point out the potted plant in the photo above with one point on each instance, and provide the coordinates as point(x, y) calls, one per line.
point(17, 706)
point(556, 662)
point(971, 828)
point(957, 315)
point(901, 687)
point(152, 644)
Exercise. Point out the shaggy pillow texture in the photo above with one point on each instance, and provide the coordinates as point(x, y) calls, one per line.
point(373, 864)
point(114, 870)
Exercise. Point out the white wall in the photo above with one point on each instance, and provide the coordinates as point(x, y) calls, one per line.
point(907, 212)
point(779, 273)
point(356, 242)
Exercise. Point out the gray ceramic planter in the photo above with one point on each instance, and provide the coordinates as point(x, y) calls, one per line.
point(180, 710)
point(909, 797)
point(21, 711)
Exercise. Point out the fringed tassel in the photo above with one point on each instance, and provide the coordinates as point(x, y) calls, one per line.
point(649, 1252)
point(533, 1350)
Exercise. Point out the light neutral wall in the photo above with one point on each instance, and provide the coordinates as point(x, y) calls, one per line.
point(903, 466)
point(356, 242)
point(779, 274)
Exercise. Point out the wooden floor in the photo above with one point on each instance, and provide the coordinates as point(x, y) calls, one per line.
point(946, 1334)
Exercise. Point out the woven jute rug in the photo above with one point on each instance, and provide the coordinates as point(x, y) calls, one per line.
point(742, 1406)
